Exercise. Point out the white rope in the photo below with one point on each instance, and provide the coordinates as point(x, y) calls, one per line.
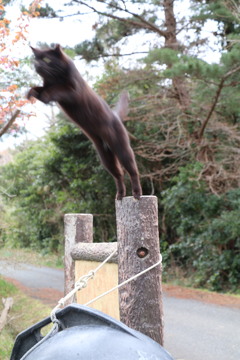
point(83, 281)
point(80, 284)
point(125, 282)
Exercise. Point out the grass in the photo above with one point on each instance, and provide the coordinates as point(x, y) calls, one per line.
point(24, 313)
point(29, 256)
point(177, 276)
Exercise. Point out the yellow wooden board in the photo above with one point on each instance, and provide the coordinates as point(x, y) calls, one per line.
point(105, 279)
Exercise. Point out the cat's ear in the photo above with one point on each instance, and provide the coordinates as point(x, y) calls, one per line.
point(36, 52)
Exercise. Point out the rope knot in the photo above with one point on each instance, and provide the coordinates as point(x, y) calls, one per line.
point(83, 281)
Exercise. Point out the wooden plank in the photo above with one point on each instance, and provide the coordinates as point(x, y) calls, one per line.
point(106, 278)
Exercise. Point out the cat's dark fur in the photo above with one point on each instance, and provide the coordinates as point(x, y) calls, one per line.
point(63, 83)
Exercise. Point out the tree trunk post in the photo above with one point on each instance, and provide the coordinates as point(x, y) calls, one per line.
point(138, 248)
point(77, 228)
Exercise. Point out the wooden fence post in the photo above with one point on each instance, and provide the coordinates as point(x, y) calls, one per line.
point(77, 228)
point(138, 248)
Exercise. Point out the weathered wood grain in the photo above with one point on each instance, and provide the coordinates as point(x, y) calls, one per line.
point(138, 248)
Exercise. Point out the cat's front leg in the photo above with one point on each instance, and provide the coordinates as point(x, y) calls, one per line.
point(35, 92)
point(41, 93)
point(51, 93)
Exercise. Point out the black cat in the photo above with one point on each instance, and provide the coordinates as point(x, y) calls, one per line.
point(63, 83)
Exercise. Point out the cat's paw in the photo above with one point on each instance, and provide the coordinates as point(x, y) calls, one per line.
point(137, 193)
point(33, 93)
point(119, 196)
point(45, 98)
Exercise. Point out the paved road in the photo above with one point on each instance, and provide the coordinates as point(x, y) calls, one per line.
point(201, 331)
point(33, 277)
point(193, 330)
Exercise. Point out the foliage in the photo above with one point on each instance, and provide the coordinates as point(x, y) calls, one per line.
point(56, 175)
point(202, 230)
point(28, 256)
point(7, 289)
point(24, 313)
point(183, 107)
point(184, 124)
point(34, 204)
point(11, 97)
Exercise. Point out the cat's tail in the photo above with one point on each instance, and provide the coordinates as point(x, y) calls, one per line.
point(122, 106)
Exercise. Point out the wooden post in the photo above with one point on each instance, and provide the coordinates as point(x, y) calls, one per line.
point(77, 228)
point(138, 248)
point(7, 304)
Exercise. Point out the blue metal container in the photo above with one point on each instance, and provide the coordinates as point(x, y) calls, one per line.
point(86, 334)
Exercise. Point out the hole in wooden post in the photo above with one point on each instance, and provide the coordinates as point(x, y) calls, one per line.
point(142, 252)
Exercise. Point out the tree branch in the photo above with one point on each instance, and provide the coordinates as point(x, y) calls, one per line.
point(116, 55)
point(5, 192)
point(7, 303)
point(217, 95)
point(142, 24)
point(9, 123)
point(144, 21)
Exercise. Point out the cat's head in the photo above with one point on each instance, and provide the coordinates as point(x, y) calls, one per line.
point(52, 64)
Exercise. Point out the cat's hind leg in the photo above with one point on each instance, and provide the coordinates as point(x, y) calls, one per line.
point(120, 145)
point(111, 163)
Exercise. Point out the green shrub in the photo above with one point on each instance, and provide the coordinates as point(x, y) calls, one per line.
point(203, 231)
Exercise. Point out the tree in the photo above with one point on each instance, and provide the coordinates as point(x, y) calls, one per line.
point(50, 177)
point(11, 97)
point(125, 20)
point(175, 93)
point(184, 125)
point(61, 174)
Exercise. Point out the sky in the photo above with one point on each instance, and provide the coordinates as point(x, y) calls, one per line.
point(49, 31)
point(54, 31)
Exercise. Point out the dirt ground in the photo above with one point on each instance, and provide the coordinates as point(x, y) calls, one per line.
point(201, 295)
point(51, 296)
point(46, 295)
